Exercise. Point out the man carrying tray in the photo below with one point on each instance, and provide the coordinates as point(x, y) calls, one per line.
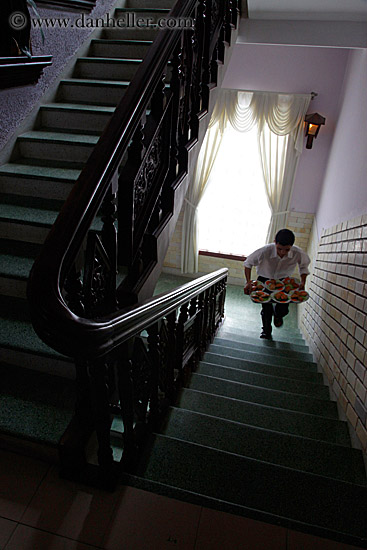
point(276, 261)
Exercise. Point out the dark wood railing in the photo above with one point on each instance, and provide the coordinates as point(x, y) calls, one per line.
point(84, 282)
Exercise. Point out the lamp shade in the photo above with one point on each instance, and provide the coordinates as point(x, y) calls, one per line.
point(313, 122)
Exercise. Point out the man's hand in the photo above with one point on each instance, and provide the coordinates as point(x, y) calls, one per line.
point(247, 288)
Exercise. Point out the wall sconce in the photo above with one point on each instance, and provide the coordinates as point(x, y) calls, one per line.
point(313, 123)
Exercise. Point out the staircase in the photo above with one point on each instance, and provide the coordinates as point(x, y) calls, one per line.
point(44, 165)
point(255, 433)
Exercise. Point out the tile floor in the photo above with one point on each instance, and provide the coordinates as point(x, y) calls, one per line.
point(39, 511)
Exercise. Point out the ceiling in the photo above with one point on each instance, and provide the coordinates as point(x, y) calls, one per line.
point(321, 10)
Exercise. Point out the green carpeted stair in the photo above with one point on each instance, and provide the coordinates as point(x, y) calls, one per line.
point(45, 163)
point(255, 433)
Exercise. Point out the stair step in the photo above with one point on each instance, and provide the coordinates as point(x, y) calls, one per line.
point(91, 118)
point(259, 490)
point(271, 418)
point(258, 347)
point(231, 331)
point(132, 49)
point(264, 396)
point(20, 345)
point(260, 380)
point(57, 145)
point(37, 407)
point(25, 224)
point(270, 345)
point(280, 335)
point(40, 181)
point(105, 68)
point(290, 373)
point(274, 447)
point(92, 92)
point(258, 356)
point(132, 33)
point(134, 4)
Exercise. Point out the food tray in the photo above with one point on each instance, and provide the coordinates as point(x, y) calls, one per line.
point(260, 297)
point(274, 299)
point(290, 284)
point(270, 285)
point(302, 301)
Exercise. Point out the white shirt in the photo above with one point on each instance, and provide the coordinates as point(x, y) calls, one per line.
point(268, 264)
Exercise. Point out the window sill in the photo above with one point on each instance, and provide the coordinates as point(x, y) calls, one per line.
point(224, 256)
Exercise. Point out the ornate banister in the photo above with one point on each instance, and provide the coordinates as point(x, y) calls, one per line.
point(120, 204)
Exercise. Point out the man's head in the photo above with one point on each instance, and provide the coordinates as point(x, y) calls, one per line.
point(284, 240)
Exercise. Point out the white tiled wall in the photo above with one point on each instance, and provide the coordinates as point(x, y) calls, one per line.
point(334, 320)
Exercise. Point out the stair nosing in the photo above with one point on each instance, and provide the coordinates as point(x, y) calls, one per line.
point(283, 392)
point(262, 429)
point(285, 468)
point(304, 367)
point(315, 384)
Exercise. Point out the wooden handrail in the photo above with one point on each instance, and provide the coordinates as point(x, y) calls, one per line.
point(52, 318)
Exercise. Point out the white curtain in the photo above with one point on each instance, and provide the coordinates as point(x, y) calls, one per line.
point(204, 165)
point(279, 114)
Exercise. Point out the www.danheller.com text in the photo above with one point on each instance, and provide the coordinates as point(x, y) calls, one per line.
point(129, 20)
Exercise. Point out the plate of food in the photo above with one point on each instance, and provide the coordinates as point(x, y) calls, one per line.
point(260, 297)
point(280, 297)
point(256, 285)
point(290, 284)
point(274, 285)
point(299, 296)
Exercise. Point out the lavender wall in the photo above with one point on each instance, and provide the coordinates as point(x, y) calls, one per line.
point(17, 103)
point(344, 193)
point(296, 69)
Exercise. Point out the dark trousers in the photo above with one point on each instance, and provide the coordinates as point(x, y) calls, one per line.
point(269, 310)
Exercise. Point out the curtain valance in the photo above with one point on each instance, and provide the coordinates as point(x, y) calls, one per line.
point(283, 113)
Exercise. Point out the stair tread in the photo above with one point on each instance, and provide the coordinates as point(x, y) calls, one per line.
point(19, 334)
point(109, 60)
point(259, 348)
point(25, 214)
point(226, 332)
point(323, 458)
point(122, 41)
point(265, 416)
point(85, 139)
point(15, 266)
point(300, 387)
point(257, 356)
point(267, 396)
point(35, 406)
point(262, 489)
point(286, 371)
point(79, 107)
point(254, 340)
point(40, 171)
point(92, 82)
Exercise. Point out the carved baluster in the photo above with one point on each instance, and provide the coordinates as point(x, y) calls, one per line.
point(175, 86)
point(171, 355)
point(73, 287)
point(101, 405)
point(155, 358)
point(137, 148)
point(126, 214)
point(159, 98)
point(201, 324)
point(126, 394)
point(206, 76)
point(182, 318)
point(109, 214)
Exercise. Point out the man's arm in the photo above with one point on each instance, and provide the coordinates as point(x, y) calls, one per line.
point(247, 286)
point(303, 281)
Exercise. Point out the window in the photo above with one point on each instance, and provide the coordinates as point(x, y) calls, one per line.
point(234, 213)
